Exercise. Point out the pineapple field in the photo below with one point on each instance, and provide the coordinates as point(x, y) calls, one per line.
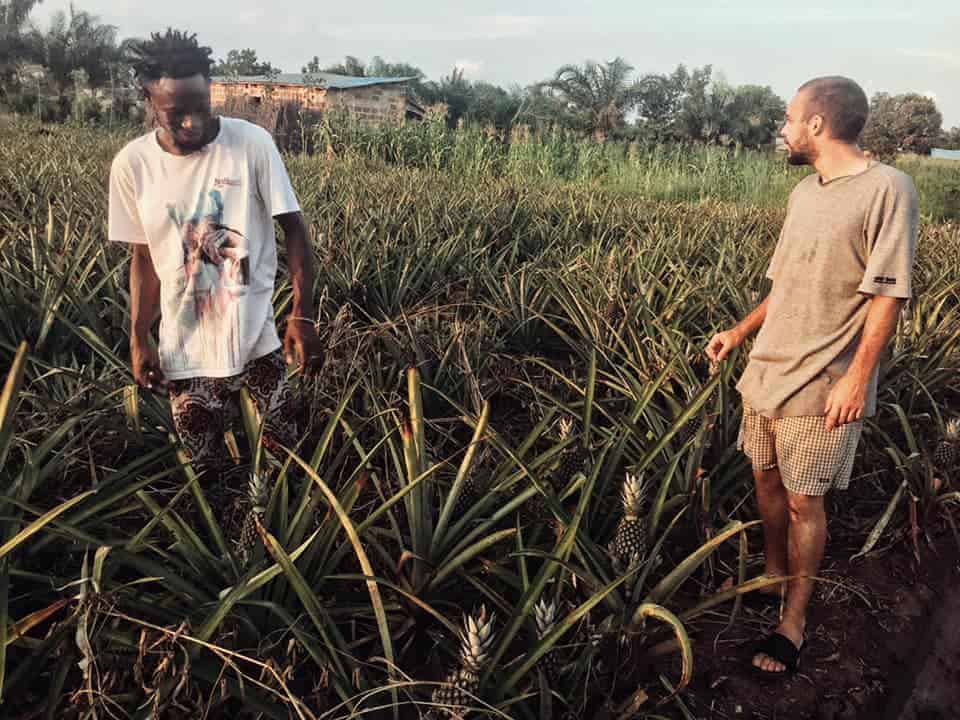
point(519, 494)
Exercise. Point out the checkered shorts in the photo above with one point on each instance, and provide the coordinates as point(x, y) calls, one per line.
point(812, 461)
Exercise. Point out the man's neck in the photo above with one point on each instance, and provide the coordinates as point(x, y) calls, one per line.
point(167, 143)
point(840, 161)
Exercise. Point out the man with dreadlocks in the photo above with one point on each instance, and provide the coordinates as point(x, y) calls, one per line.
point(196, 199)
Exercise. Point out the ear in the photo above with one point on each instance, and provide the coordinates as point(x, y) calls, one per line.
point(816, 125)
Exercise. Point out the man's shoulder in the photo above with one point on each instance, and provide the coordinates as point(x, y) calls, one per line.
point(894, 179)
point(807, 184)
point(134, 150)
point(246, 131)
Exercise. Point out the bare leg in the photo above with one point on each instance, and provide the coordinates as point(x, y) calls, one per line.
point(807, 538)
point(774, 511)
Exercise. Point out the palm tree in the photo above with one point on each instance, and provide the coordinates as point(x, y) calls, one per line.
point(13, 45)
point(13, 16)
point(77, 40)
point(598, 94)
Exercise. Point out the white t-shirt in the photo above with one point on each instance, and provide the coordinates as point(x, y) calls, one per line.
point(207, 218)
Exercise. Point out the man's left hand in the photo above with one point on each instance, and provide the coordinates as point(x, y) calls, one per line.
point(846, 402)
point(302, 345)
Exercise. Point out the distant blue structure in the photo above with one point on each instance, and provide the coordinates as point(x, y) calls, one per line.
point(945, 154)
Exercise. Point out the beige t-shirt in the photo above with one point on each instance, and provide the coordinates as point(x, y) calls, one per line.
point(842, 242)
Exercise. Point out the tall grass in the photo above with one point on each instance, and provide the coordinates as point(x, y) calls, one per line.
point(672, 173)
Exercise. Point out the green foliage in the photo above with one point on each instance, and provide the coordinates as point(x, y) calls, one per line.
point(907, 123)
point(950, 139)
point(244, 62)
point(468, 305)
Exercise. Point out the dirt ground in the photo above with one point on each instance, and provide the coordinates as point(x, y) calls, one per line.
point(883, 642)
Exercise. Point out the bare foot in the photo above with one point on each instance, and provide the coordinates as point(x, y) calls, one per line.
point(794, 633)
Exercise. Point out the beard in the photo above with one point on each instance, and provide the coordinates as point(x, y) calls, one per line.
point(800, 156)
point(191, 145)
point(797, 158)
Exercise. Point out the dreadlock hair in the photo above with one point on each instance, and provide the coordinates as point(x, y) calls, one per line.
point(173, 54)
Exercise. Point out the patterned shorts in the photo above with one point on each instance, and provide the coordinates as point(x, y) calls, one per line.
point(204, 407)
point(812, 461)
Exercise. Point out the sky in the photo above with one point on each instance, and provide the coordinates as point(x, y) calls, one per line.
point(886, 46)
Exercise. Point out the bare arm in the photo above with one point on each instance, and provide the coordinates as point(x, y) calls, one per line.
point(849, 396)
point(752, 322)
point(301, 343)
point(722, 344)
point(144, 305)
point(299, 262)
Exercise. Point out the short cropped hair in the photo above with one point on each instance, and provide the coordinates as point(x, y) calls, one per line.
point(842, 103)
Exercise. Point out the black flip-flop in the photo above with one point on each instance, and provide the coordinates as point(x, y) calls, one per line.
point(780, 648)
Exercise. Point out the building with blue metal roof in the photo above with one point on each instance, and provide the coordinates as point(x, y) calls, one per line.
point(945, 154)
point(375, 100)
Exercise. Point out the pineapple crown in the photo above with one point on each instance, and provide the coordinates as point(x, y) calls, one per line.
point(566, 427)
point(951, 432)
point(476, 637)
point(633, 494)
point(545, 614)
point(258, 490)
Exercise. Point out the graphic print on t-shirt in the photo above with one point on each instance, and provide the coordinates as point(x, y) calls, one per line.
point(216, 273)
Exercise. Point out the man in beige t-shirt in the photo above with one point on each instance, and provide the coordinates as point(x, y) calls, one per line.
point(840, 272)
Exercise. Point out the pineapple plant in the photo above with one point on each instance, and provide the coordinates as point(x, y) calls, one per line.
point(948, 449)
point(613, 313)
point(689, 429)
point(258, 495)
point(545, 614)
point(572, 461)
point(461, 686)
point(629, 543)
point(474, 485)
point(559, 474)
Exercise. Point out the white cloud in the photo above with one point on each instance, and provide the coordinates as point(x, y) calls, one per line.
point(469, 67)
point(497, 27)
point(250, 17)
point(946, 57)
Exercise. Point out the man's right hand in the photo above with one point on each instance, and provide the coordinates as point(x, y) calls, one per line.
point(722, 344)
point(145, 361)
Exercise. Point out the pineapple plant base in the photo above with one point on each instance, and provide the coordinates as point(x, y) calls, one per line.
point(462, 685)
point(947, 453)
point(629, 544)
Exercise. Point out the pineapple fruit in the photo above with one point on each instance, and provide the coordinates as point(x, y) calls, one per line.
point(559, 475)
point(574, 460)
point(545, 614)
point(474, 485)
point(613, 313)
point(689, 429)
point(258, 495)
point(947, 453)
point(629, 544)
point(462, 685)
